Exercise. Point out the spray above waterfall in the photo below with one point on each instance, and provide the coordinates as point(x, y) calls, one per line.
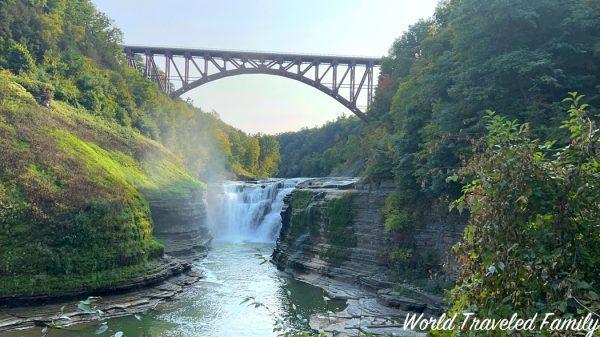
point(249, 211)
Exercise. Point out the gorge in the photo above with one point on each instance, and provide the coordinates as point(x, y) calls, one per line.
point(470, 181)
point(309, 291)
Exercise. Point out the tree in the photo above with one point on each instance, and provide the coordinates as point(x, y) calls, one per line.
point(15, 56)
point(269, 155)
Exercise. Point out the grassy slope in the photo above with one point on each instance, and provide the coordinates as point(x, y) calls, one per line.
point(73, 189)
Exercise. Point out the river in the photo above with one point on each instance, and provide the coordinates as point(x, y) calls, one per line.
point(245, 223)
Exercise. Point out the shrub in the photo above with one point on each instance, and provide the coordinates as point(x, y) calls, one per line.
point(400, 255)
point(42, 92)
point(15, 56)
point(533, 240)
point(396, 218)
point(338, 230)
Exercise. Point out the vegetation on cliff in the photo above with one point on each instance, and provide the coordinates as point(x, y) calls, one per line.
point(72, 216)
point(87, 143)
point(327, 221)
point(338, 231)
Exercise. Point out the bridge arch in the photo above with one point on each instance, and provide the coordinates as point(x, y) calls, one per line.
point(347, 79)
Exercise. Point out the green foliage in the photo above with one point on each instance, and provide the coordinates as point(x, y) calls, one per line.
point(268, 159)
point(317, 152)
point(15, 57)
point(308, 211)
point(395, 217)
point(301, 199)
point(78, 53)
point(400, 223)
point(60, 285)
point(400, 255)
point(338, 228)
point(302, 216)
point(60, 24)
point(443, 73)
point(42, 92)
point(338, 231)
point(74, 214)
point(532, 244)
point(435, 86)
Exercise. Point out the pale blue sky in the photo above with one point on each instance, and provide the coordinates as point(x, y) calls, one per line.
point(262, 103)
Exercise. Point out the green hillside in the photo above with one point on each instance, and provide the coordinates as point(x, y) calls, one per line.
point(85, 143)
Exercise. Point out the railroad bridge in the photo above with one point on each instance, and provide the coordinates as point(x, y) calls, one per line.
point(348, 79)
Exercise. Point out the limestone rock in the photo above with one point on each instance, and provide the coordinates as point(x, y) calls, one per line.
point(362, 278)
point(181, 225)
point(166, 283)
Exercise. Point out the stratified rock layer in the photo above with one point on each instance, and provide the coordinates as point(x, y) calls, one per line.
point(181, 225)
point(364, 265)
point(362, 277)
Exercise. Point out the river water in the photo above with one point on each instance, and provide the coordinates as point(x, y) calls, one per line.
point(245, 222)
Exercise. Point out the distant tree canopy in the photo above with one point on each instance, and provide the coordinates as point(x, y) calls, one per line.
point(76, 49)
point(64, 25)
point(316, 152)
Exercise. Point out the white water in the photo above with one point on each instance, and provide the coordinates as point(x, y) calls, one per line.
point(249, 211)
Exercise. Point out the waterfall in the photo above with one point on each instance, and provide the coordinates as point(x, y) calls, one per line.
point(249, 211)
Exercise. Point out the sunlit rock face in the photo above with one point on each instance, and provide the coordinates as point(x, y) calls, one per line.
point(181, 225)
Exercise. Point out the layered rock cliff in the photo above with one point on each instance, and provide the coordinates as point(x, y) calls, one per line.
point(335, 227)
point(304, 245)
point(181, 225)
point(333, 236)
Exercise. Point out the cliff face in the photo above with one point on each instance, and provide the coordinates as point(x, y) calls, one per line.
point(355, 252)
point(352, 254)
point(333, 237)
point(180, 225)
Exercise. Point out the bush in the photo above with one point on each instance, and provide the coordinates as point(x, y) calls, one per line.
point(15, 57)
point(42, 92)
point(533, 240)
point(396, 218)
point(338, 230)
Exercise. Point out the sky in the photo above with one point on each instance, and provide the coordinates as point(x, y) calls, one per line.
point(264, 103)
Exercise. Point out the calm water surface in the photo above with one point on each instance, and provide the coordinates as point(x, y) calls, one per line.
point(212, 307)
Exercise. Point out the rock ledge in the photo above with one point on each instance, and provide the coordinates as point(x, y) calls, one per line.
point(167, 281)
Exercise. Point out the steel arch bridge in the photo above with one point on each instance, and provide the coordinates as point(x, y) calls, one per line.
point(348, 79)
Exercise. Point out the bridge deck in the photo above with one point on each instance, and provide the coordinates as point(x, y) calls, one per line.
point(267, 56)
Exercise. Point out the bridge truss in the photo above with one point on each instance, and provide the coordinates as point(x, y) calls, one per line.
point(348, 79)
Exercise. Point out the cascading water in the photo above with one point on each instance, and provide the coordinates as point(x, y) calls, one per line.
point(249, 211)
